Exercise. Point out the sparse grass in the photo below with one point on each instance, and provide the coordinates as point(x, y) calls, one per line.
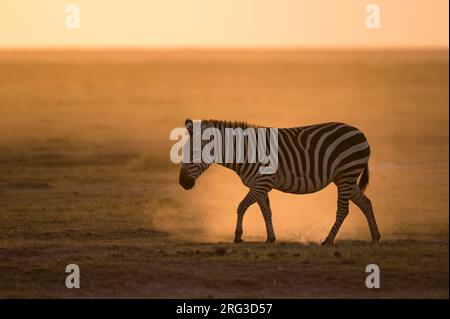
point(151, 268)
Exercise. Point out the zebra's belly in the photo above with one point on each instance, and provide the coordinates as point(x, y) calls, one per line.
point(299, 184)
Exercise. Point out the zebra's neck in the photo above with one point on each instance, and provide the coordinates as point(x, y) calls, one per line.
point(222, 126)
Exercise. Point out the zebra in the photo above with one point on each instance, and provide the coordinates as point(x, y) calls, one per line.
point(309, 158)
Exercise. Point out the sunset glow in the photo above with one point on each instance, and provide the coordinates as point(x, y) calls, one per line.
point(224, 23)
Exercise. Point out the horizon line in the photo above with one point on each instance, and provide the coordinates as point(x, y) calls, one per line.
point(209, 48)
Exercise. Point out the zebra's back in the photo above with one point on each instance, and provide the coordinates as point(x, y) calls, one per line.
point(311, 157)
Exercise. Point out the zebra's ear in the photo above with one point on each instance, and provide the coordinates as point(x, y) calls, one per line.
point(189, 125)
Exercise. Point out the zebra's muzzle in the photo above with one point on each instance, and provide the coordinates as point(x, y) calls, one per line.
point(186, 182)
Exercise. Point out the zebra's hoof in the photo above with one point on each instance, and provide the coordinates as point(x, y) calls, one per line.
point(270, 240)
point(327, 243)
point(238, 240)
point(376, 239)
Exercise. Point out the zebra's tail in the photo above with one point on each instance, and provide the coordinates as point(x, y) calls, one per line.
point(364, 180)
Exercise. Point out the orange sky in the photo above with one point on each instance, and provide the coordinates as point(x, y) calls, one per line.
point(210, 23)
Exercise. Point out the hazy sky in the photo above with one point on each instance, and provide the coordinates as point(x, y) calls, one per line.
point(181, 23)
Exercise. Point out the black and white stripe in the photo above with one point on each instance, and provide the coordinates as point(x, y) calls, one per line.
point(309, 158)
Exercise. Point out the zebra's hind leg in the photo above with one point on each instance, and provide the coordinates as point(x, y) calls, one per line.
point(264, 204)
point(248, 200)
point(364, 203)
point(344, 191)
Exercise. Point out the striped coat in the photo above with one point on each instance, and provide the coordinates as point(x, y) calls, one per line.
point(309, 159)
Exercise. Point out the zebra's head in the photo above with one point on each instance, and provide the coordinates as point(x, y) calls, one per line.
point(190, 171)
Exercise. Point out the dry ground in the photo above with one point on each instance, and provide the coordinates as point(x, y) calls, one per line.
point(85, 175)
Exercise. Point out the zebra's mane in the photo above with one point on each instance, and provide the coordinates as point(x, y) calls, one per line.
point(232, 124)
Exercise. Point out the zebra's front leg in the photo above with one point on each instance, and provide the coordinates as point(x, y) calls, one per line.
point(248, 200)
point(264, 204)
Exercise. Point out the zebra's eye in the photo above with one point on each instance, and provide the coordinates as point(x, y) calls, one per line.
point(189, 125)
